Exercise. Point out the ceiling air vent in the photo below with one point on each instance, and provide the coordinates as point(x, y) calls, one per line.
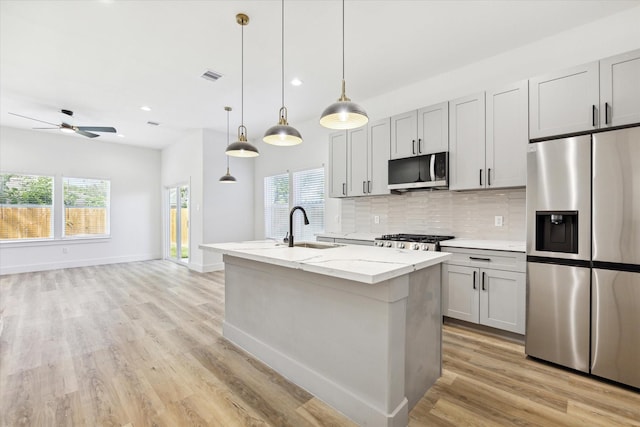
point(153, 123)
point(211, 75)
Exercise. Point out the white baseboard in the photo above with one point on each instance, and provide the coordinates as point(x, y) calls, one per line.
point(29, 268)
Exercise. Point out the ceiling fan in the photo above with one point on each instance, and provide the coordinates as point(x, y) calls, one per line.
point(66, 127)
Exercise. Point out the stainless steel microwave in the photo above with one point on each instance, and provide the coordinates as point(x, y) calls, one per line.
point(419, 172)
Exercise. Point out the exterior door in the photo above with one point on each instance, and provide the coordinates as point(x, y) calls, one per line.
point(178, 224)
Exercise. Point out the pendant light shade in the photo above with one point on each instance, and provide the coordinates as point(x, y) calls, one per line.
point(282, 134)
point(227, 178)
point(343, 114)
point(242, 147)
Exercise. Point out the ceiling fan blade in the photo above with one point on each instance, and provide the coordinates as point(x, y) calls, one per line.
point(97, 129)
point(87, 134)
point(31, 118)
point(47, 128)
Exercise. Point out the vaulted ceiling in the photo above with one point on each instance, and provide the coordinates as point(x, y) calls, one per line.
point(105, 59)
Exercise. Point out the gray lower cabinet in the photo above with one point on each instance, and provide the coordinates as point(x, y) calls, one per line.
point(485, 287)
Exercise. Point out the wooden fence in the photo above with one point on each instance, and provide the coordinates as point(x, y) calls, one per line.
point(35, 222)
point(184, 226)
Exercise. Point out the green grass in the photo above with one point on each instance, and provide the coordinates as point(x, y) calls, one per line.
point(173, 249)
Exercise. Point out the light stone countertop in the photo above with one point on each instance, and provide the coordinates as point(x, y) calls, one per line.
point(366, 264)
point(369, 237)
point(494, 245)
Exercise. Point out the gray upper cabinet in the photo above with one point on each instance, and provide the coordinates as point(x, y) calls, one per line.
point(488, 146)
point(620, 89)
point(419, 132)
point(378, 156)
point(467, 142)
point(564, 102)
point(357, 168)
point(507, 136)
point(360, 160)
point(596, 95)
point(338, 164)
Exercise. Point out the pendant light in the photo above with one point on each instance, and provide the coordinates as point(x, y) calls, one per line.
point(343, 114)
point(282, 134)
point(228, 178)
point(242, 148)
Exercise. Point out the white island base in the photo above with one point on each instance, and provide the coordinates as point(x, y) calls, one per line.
point(371, 351)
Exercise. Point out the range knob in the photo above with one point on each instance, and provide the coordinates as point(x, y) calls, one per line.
point(388, 244)
point(425, 247)
point(401, 245)
point(415, 246)
point(377, 243)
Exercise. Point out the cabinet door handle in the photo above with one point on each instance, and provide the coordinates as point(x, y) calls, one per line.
point(475, 258)
point(419, 145)
point(368, 186)
point(474, 279)
point(606, 113)
point(483, 287)
point(413, 146)
point(481, 177)
point(364, 187)
point(344, 188)
point(593, 115)
point(489, 176)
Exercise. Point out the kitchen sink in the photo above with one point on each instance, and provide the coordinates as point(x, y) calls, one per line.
point(316, 245)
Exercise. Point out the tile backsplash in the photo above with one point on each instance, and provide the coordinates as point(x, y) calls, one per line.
point(466, 214)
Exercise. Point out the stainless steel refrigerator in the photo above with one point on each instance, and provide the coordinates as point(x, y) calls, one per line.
point(583, 253)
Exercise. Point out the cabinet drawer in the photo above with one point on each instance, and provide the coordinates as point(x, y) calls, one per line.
point(498, 260)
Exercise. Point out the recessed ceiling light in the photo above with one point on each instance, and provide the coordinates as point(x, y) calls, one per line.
point(121, 135)
point(296, 82)
point(145, 108)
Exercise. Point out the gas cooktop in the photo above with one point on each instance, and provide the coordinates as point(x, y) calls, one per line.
point(414, 238)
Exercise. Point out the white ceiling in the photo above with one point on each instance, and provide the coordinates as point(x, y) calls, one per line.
point(104, 59)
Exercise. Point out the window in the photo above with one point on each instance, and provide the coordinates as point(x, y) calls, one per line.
point(283, 192)
point(86, 207)
point(26, 207)
point(276, 206)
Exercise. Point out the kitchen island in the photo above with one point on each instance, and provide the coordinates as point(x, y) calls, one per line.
point(359, 327)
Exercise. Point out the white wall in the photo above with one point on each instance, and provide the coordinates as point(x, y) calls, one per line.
point(182, 165)
point(135, 198)
point(609, 36)
point(218, 212)
point(228, 208)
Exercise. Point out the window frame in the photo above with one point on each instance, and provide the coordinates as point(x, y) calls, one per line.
point(63, 225)
point(292, 202)
point(58, 217)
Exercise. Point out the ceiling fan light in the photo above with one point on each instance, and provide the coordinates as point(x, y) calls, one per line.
point(67, 130)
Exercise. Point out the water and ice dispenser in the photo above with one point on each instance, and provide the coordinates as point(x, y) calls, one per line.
point(557, 231)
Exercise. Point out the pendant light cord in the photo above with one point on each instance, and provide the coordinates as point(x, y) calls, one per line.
point(342, 40)
point(228, 109)
point(283, 53)
point(242, 76)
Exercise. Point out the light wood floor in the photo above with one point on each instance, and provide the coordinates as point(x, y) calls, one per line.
point(140, 345)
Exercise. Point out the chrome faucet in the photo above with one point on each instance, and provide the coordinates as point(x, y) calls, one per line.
point(306, 222)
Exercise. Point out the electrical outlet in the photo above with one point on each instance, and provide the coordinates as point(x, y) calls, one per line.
point(337, 219)
point(65, 250)
point(376, 219)
point(498, 220)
